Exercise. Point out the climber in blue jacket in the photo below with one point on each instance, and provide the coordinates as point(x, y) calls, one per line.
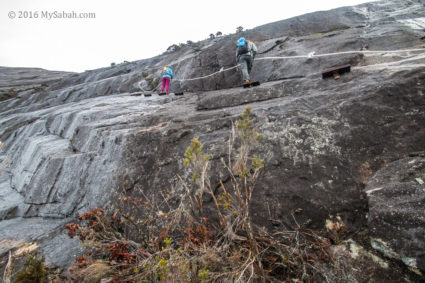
point(167, 76)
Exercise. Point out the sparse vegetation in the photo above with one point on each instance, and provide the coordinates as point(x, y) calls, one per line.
point(173, 48)
point(176, 235)
point(34, 270)
point(198, 47)
point(145, 74)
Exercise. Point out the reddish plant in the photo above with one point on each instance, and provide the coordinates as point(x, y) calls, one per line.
point(72, 229)
point(120, 252)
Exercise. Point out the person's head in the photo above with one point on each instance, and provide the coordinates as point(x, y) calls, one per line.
point(165, 68)
point(241, 41)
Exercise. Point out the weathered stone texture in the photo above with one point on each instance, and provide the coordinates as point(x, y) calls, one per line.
point(71, 139)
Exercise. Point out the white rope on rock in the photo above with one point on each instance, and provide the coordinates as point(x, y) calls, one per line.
point(198, 78)
point(309, 55)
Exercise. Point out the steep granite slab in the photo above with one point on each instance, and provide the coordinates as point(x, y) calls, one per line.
point(70, 142)
point(396, 196)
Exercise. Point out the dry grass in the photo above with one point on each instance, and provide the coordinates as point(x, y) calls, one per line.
point(94, 272)
point(177, 241)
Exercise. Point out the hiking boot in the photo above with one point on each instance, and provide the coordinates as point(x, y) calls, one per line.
point(246, 84)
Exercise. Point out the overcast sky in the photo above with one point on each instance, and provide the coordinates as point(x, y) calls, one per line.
point(33, 34)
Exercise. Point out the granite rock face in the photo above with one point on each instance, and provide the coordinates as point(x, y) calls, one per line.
point(396, 197)
point(73, 141)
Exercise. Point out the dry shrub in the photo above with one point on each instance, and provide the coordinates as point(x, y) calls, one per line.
point(93, 272)
point(34, 270)
point(177, 242)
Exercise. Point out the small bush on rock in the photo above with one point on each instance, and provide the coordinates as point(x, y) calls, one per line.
point(177, 239)
point(34, 270)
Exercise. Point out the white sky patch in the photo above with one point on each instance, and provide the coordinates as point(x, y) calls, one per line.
point(127, 30)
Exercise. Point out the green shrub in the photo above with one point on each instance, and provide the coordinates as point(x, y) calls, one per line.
point(180, 242)
point(34, 270)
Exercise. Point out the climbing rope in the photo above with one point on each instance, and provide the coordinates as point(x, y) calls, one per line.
point(198, 78)
point(312, 54)
point(309, 55)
